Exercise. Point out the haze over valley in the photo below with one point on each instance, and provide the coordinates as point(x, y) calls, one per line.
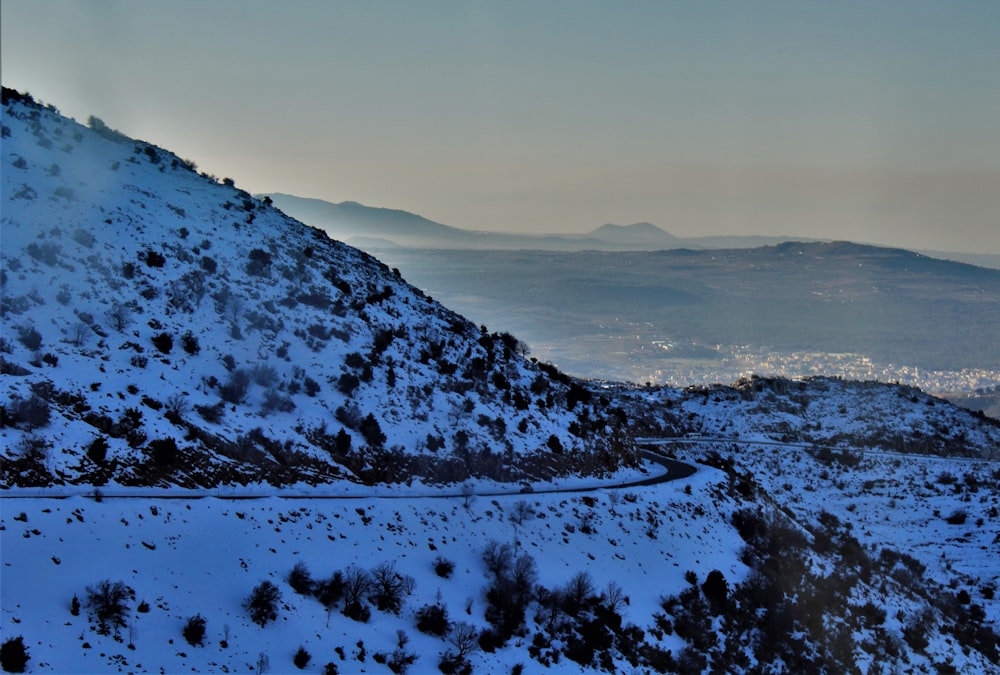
point(638, 304)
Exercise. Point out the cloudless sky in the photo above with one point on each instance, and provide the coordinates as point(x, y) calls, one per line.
point(869, 121)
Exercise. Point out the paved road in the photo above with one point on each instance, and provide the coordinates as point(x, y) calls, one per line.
point(672, 470)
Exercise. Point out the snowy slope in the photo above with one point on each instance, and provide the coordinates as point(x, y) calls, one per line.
point(206, 337)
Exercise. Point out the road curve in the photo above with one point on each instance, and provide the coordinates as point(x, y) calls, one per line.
point(673, 470)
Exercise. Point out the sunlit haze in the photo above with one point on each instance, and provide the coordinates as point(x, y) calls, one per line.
point(875, 122)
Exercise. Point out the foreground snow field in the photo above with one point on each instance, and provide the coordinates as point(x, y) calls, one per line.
point(190, 556)
point(187, 556)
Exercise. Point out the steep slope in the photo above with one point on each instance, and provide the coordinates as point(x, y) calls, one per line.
point(161, 327)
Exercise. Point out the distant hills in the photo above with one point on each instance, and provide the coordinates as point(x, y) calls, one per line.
point(627, 315)
point(376, 229)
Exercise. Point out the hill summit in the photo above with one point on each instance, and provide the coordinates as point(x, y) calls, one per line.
point(643, 234)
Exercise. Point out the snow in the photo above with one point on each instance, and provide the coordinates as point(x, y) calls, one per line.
point(203, 555)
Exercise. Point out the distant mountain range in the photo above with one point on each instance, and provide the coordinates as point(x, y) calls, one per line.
point(376, 229)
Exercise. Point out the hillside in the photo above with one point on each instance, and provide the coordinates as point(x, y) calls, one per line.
point(164, 328)
point(232, 444)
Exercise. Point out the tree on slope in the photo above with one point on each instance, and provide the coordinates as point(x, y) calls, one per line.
point(107, 603)
point(263, 603)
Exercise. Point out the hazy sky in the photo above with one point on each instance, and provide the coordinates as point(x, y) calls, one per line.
point(870, 121)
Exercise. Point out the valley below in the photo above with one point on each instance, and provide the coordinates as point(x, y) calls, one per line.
point(685, 317)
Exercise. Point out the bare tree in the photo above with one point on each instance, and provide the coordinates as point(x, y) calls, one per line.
point(498, 558)
point(524, 574)
point(107, 601)
point(615, 498)
point(388, 587)
point(576, 593)
point(120, 316)
point(79, 333)
point(357, 582)
point(521, 512)
point(329, 593)
point(464, 638)
point(614, 596)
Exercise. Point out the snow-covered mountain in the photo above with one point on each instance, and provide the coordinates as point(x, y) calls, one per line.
point(164, 328)
point(231, 444)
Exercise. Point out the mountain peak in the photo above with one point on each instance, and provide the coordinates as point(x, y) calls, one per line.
point(636, 233)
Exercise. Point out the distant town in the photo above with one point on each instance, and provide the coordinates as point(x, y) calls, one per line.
point(745, 361)
point(658, 361)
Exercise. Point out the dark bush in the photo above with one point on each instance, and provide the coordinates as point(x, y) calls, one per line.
point(275, 401)
point(14, 655)
point(300, 580)
point(164, 342)
point(301, 659)
point(154, 259)
point(190, 343)
point(97, 451)
point(443, 567)
point(372, 431)
point(957, 517)
point(33, 412)
point(433, 619)
point(235, 390)
point(716, 591)
point(194, 630)
point(262, 603)
point(347, 383)
point(260, 263)
point(208, 264)
point(310, 386)
point(30, 338)
point(342, 442)
point(210, 413)
point(163, 451)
